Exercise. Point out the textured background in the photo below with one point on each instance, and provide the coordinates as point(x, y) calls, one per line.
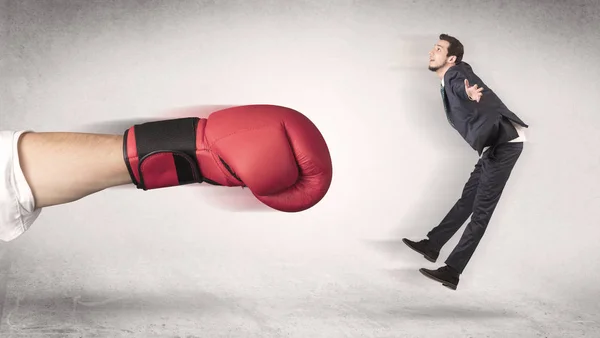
point(188, 262)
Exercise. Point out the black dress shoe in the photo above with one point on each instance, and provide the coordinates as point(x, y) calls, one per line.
point(422, 247)
point(445, 275)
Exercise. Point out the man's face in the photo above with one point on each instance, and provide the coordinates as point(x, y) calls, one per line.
point(438, 55)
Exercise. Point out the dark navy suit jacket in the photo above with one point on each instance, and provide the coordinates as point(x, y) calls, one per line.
point(481, 124)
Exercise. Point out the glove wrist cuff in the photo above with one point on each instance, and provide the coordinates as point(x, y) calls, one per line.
point(162, 153)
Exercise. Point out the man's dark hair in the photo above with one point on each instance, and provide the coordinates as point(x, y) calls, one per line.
point(456, 48)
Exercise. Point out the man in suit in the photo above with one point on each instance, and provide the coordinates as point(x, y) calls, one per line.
point(492, 130)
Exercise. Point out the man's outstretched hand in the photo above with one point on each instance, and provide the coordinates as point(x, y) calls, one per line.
point(473, 92)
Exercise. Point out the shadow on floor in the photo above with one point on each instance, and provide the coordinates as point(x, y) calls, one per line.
point(449, 312)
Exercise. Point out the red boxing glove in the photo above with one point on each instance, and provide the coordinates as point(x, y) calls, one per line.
point(277, 152)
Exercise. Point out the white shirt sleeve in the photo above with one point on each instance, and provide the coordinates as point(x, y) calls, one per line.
point(17, 204)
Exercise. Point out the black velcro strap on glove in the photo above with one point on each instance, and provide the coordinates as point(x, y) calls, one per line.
point(163, 153)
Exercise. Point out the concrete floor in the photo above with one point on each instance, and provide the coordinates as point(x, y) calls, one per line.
point(337, 289)
point(208, 262)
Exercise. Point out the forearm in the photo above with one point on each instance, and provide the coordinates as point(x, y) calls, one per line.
point(458, 87)
point(64, 167)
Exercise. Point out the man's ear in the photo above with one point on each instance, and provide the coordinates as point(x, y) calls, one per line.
point(452, 59)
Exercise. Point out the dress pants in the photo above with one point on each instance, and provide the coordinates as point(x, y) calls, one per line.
point(479, 198)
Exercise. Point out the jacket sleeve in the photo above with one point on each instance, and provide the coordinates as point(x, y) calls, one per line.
point(456, 83)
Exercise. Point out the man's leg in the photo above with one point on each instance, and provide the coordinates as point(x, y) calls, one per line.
point(495, 174)
point(456, 217)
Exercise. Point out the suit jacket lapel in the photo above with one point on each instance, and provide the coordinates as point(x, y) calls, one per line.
point(446, 108)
